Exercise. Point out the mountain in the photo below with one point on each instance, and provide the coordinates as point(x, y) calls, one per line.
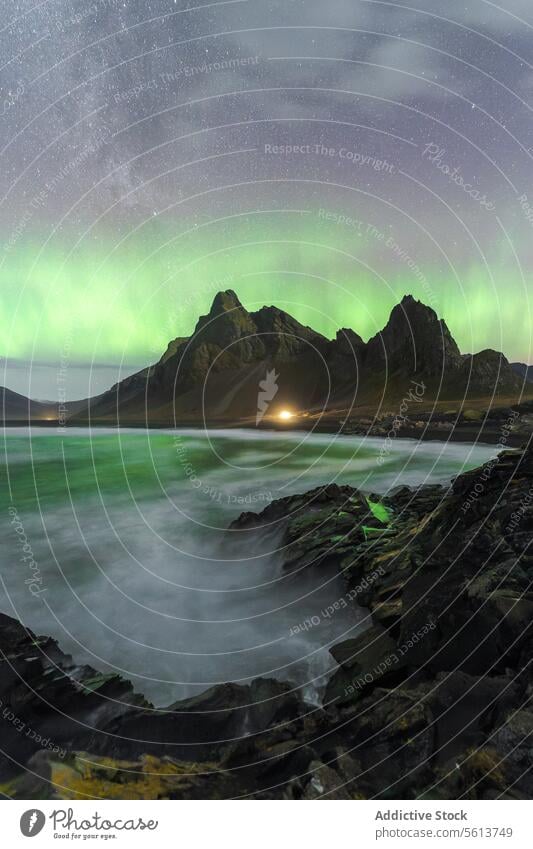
point(230, 337)
point(217, 370)
point(19, 409)
point(415, 345)
point(238, 365)
point(524, 371)
point(413, 341)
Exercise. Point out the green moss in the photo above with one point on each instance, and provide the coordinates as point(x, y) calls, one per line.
point(368, 531)
point(473, 415)
point(379, 511)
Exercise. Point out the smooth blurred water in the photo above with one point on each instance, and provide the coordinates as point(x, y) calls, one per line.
point(125, 531)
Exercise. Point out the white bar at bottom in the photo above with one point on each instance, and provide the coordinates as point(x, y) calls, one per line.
point(269, 825)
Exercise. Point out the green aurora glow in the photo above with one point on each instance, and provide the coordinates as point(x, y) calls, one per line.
point(112, 303)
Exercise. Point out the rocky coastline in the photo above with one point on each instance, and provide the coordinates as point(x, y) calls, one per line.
point(432, 700)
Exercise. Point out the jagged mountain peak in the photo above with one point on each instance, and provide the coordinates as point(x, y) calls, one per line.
point(231, 349)
point(173, 348)
point(411, 306)
point(274, 319)
point(225, 301)
point(226, 320)
point(414, 340)
point(347, 336)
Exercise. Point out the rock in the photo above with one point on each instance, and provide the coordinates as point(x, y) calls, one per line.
point(47, 702)
point(363, 661)
point(439, 698)
point(84, 774)
point(322, 527)
point(200, 727)
point(325, 782)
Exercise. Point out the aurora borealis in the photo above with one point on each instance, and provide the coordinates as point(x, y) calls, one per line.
point(266, 394)
point(325, 160)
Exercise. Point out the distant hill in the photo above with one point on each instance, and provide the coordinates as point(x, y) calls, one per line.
point(17, 408)
point(218, 374)
point(245, 367)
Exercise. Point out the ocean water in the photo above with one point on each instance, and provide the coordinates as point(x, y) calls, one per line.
point(113, 544)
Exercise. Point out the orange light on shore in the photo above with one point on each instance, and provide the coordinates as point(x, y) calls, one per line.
point(285, 415)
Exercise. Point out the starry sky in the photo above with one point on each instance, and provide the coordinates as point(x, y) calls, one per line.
point(325, 157)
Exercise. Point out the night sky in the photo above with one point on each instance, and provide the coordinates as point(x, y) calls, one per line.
point(327, 157)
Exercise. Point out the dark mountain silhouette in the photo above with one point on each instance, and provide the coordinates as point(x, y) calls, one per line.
point(214, 375)
point(524, 371)
point(17, 408)
point(413, 341)
point(217, 370)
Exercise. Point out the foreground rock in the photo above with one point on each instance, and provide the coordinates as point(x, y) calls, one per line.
point(433, 698)
point(51, 711)
point(433, 701)
point(196, 378)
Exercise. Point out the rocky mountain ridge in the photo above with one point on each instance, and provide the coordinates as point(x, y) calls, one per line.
point(214, 374)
